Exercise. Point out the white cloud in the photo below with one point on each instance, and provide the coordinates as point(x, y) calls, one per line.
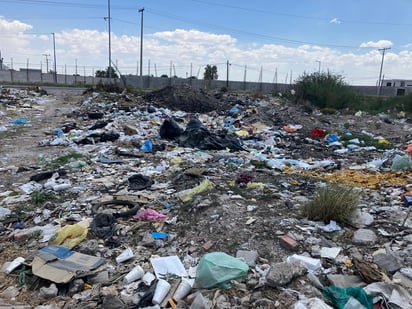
point(335, 21)
point(406, 45)
point(190, 50)
point(378, 44)
point(13, 27)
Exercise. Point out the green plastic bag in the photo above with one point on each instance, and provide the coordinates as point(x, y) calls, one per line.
point(340, 296)
point(217, 269)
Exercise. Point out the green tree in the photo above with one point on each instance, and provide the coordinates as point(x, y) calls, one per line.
point(210, 72)
point(324, 90)
point(105, 73)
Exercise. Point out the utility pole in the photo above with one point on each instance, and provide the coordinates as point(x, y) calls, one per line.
point(141, 41)
point(383, 50)
point(227, 74)
point(110, 40)
point(54, 54)
point(47, 62)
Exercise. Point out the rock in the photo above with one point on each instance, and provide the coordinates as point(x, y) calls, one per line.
point(249, 257)
point(89, 247)
point(281, 274)
point(9, 293)
point(361, 218)
point(402, 280)
point(130, 130)
point(49, 292)
point(388, 262)
point(346, 281)
point(364, 237)
point(112, 302)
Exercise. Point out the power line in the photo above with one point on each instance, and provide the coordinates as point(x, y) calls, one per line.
point(283, 40)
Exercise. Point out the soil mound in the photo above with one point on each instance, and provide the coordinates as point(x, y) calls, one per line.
point(185, 98)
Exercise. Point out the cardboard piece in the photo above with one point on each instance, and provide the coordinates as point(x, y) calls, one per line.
point(61, 265)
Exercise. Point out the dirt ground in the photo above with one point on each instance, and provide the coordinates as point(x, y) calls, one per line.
point(229, 217)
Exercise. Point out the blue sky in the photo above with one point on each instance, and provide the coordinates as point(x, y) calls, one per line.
point(263, 40)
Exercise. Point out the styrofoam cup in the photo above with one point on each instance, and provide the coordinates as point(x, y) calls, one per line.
point(148, 278)
point(125, 255)
point(162, 288)
point(182, 290)
point(136, 273)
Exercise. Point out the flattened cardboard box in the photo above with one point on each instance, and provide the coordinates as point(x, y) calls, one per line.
point(60, 264)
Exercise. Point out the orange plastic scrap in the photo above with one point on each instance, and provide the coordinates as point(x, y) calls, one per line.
point(289, 129)
point(409, 148)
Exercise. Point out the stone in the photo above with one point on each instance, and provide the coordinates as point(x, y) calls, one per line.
point(388, 262)
point(401, 279)
point(130, 130)
point(49, 292)
point(346, 281)
point(249, 257)
point(408, 238)
point(361, 218)
point(364, 237)
point(315, 251)
point(9, 293)
point(281, 274)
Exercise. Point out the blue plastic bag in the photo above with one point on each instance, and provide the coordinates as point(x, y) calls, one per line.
point(147, 146)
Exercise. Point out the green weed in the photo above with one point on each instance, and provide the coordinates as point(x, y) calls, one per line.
point(39, 198)
point(62, 160)
point(331, 202)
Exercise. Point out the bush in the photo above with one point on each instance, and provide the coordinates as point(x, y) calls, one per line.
point(324, 90)
point(332, 202)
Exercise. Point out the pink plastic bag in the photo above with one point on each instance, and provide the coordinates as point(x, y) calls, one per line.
point(150, 215)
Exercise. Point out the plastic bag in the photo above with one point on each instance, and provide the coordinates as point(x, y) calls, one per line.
point(71, 235)
point(187, 195)
point(339, 297)
point(217, 269)
point(401, 163)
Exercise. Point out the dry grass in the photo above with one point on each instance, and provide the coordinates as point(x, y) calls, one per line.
point(331, 202)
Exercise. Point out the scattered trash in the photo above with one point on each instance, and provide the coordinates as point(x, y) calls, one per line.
point(156, 185)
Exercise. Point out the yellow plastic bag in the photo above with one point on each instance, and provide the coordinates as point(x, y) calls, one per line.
point(187, 195)
point(71, 235)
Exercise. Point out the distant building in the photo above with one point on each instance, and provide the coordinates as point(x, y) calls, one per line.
point(399, 84)
point(396, 83)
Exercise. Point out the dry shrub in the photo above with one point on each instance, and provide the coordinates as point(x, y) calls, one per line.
point(331, 202)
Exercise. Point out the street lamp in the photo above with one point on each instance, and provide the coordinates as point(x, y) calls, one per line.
point(141, 42)
point(54, 56)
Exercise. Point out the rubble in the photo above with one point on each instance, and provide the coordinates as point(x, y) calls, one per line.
point(104, 197)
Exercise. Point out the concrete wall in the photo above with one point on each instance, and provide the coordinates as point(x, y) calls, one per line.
point(148, 82)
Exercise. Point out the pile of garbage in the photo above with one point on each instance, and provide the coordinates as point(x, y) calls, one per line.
point(146, 205)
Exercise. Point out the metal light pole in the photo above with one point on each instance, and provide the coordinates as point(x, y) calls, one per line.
point(141, 42)
point(54, 55)
point(318, 61)
point(380, 72)
point(227, 73)
point(110, 42)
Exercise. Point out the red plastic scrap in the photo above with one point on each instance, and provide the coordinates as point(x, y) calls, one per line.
point(317, 132)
